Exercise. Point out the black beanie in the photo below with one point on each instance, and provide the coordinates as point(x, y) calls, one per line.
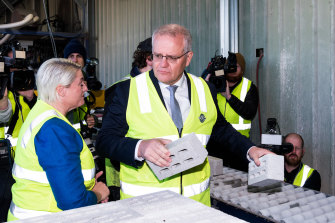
point(74, 46)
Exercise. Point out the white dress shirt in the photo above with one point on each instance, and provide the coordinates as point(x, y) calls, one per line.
point(181, 96)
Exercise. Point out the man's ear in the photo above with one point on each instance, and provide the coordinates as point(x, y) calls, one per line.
point(303, 152)
point(189, 58)
point(60, 90)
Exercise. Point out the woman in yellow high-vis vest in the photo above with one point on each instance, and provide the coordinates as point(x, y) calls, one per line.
point(54, 169)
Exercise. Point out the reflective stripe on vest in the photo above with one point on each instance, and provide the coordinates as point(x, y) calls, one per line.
point(35, 123)
point(22, 213)
point(188, 191)
point(144, 99)
point(241, 125)
point(305, 175)
point(13, 141)
point(41, 177)
point(143, 94)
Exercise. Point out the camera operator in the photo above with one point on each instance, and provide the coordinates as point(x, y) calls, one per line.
point(296, 172)
point(14, 108)
point(76, 52)
point(238, 104)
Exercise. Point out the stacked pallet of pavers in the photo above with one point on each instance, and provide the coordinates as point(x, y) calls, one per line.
point(279, 202)
point(160, 207)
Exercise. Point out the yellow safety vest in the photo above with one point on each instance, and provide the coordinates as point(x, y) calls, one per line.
point(24, 114)
point(32, 194)
point(148, 118)
point(240, 91)
point(303, 175)
point(112, 174)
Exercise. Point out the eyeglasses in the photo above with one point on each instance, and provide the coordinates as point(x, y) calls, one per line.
point(170, 59)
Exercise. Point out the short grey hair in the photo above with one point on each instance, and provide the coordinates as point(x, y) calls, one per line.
point(54, 72)
point(174, 30)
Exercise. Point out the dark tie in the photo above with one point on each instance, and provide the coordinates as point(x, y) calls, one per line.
point(175, 109)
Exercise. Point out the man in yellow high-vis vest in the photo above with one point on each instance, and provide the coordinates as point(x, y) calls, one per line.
point(141, 120)
point(296, 172)
point(238, 104)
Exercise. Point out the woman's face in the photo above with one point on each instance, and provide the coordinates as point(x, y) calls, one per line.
point(74, 97)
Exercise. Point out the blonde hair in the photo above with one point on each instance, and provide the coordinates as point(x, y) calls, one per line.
point(54, 72)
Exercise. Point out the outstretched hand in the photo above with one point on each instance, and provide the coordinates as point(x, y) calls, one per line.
point(255, 153)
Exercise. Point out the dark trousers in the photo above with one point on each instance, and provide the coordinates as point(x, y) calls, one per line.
point(6, 182)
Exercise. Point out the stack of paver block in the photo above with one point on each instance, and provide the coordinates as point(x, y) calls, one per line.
point(165, 206)
point(275, 202)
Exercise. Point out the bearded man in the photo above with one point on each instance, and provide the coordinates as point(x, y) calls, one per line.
point(296, 172)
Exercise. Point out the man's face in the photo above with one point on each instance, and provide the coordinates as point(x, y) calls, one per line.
point(77, 58)
point(236, 76)
point(294, 158)
point(165, 71)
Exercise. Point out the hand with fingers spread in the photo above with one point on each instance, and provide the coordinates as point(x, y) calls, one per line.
point(100, 189)
point(155, 151)
point(255, 153)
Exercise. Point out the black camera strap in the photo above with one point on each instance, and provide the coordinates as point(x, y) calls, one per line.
point(13, 121)
point(15, 116)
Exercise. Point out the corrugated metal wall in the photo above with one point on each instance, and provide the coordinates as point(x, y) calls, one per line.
point(296, 79)
point(122, 24)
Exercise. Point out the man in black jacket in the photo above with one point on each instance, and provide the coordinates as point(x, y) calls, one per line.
point(139, 122)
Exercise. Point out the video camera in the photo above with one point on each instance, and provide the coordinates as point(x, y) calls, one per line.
point(272, 140)
point(14, 72)
point(218, 67)
point(92, 82)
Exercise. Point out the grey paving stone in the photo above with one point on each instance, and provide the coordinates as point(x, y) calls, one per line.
point(186, 152)
point(270, 171)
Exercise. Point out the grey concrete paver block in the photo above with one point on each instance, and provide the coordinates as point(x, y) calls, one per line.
point(216, 165)
point(270, 171)
point(186, 152)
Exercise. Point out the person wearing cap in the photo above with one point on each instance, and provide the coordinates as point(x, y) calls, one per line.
point(142, 62)
point(238, 104)
point(76, 52)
